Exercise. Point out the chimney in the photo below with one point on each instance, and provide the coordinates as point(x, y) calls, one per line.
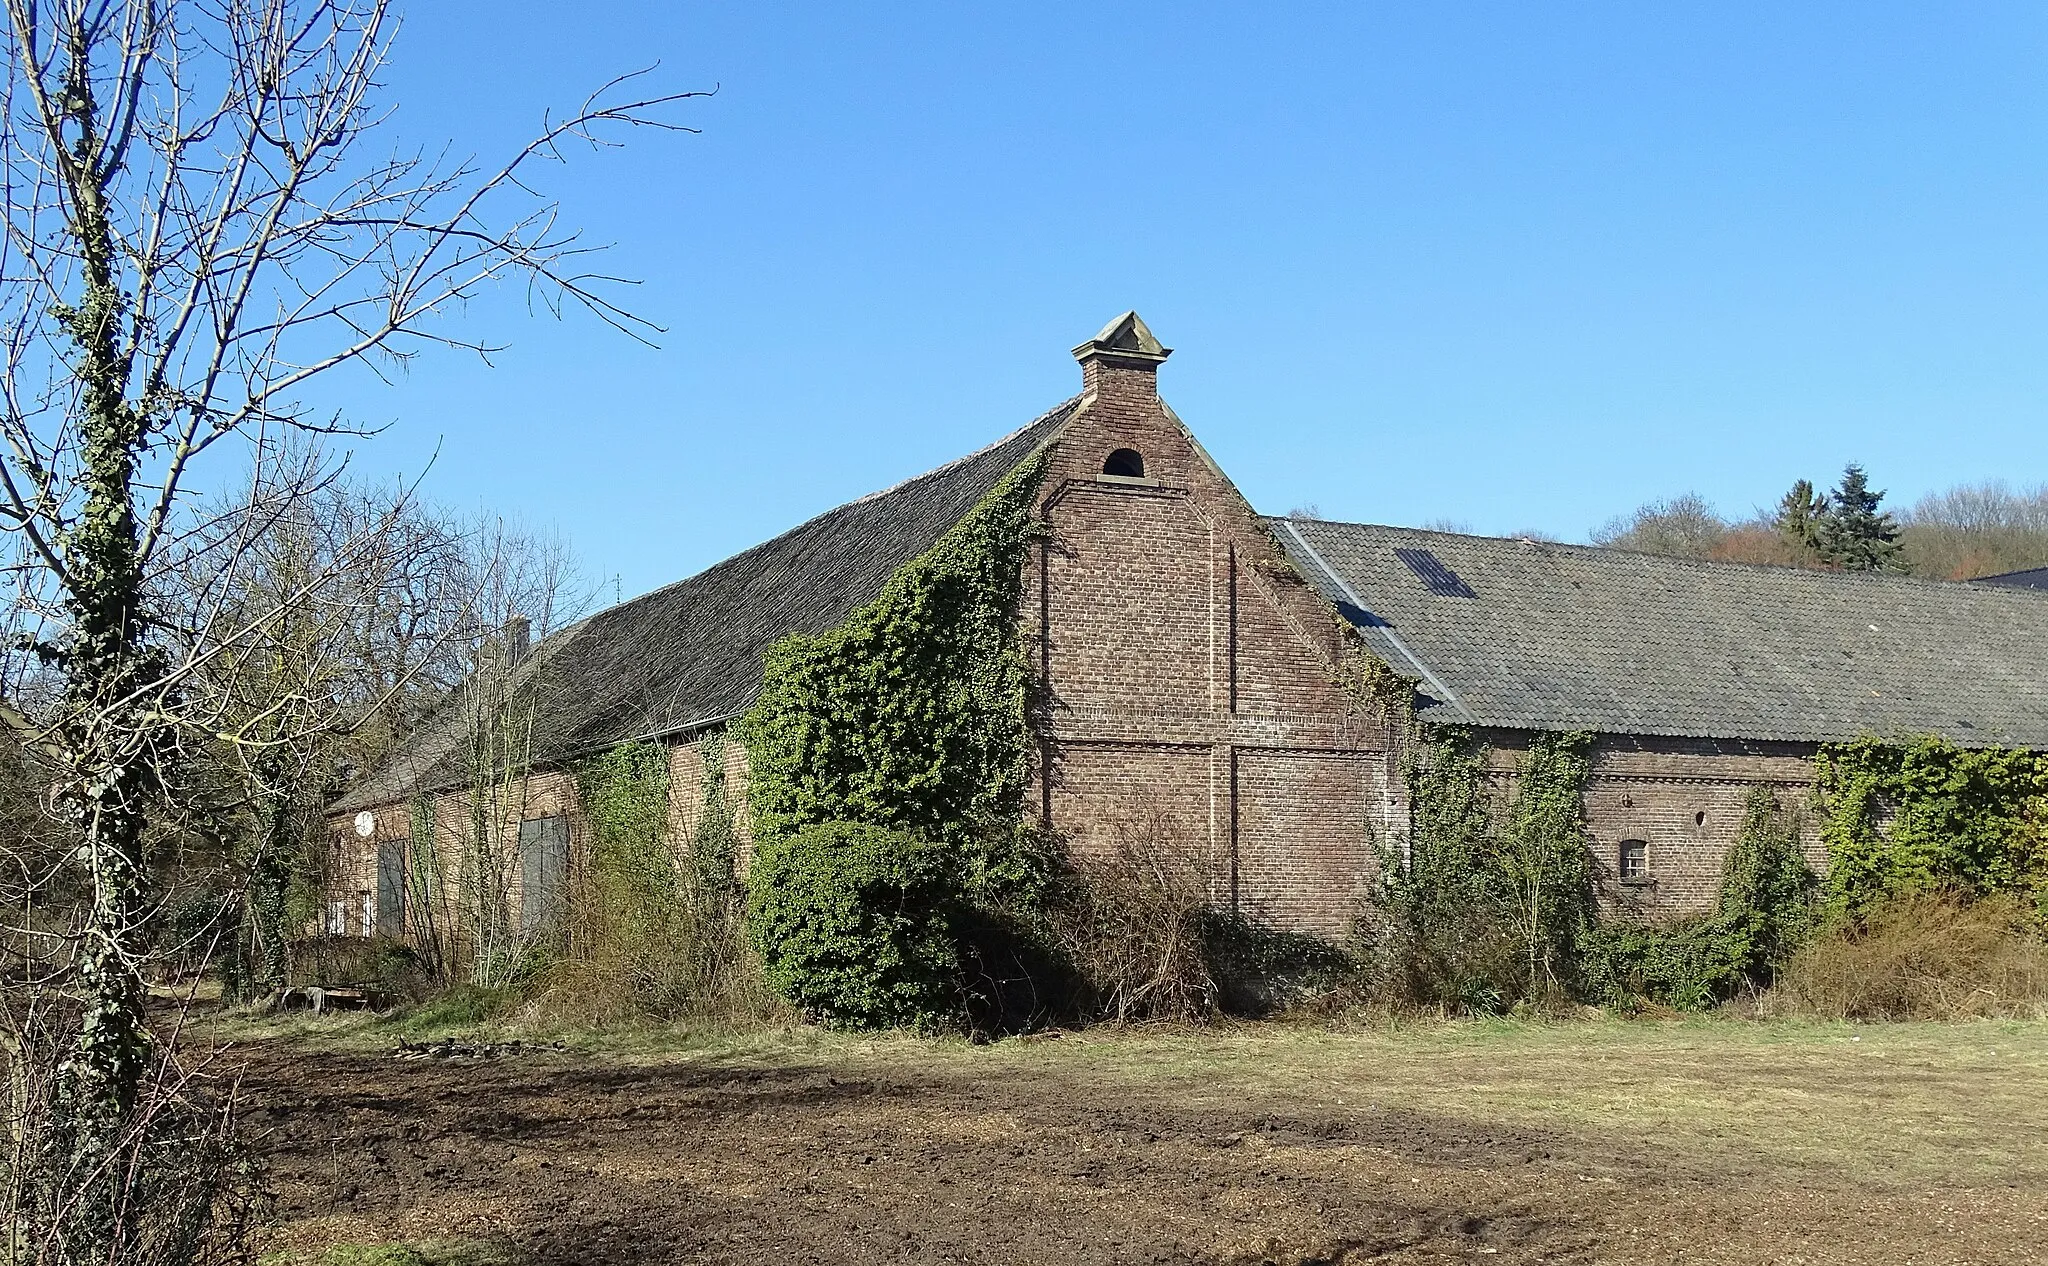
point(1121, 364)
point(518, 637)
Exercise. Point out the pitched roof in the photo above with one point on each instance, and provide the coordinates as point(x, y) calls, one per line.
point(690, 654)
point(2032, 578)
point(1535, 635)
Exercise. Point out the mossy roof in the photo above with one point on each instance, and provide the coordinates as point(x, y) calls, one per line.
point(688, 655)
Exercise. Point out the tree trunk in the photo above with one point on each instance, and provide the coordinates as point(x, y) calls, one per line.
point(108, 732)
point(270, 878)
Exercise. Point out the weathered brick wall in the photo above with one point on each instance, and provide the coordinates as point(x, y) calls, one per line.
point(544, 794)
point(1189, 674)
point(686, 792)
point(1684, 799)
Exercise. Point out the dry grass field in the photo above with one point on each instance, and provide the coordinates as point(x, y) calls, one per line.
point(1712, 1141)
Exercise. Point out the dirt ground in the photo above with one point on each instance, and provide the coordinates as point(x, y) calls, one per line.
point(1601, 1142)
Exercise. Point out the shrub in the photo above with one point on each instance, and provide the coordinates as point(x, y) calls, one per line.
point(855, 925)
point(1479, 914)
point(381, 961)
point(1135, 925)
point(1260, 970)
point(1133, 922)
point(1763, 914)
point(461, 1007)
point(1922, 956)
point(1435, 936)
point(655, 923)
point(1690, 964)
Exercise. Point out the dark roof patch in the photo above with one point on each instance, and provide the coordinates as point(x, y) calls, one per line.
point(2032, 578)
point(1428, 568)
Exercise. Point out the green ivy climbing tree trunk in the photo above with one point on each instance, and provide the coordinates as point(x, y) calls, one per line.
point(108, 723)
point(193, 236)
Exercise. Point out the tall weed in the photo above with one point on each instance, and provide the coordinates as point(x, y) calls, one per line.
point(1921, 956)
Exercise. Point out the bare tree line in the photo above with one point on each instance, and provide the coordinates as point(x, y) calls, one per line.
point(1961, 533)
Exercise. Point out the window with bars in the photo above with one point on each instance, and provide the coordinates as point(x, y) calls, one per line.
point(1634, 860)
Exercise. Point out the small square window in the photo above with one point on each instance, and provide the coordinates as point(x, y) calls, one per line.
point(1635, 860)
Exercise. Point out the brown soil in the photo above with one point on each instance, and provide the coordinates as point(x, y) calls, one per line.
point(562, 1158)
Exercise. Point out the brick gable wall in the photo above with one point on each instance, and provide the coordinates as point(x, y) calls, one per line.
point(1189, 675)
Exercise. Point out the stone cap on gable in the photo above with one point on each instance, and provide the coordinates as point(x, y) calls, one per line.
point(1126, 342)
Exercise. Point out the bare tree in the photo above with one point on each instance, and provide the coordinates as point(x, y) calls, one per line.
point(196, 230)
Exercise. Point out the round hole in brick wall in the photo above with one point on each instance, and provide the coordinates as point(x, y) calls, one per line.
point(1700, 818)
point(1125, 463)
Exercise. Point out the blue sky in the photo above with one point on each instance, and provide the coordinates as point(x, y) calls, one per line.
point(1516, 265)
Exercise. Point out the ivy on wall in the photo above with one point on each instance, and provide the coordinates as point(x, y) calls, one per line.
point(1484, 909)
point(1926, 815)
point(1762, 914)
point(1547, 860)
point(714, 846)
point(1493, 902)
point(633, 871)
point(910, 714)
point(899, 737)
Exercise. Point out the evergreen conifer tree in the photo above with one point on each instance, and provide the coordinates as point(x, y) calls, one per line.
point(1800, 515)
point(1854, 534)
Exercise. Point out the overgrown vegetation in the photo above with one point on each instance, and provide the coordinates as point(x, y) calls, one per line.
point(909, 716)
point(1925, 955)
point(1928, 816)
point(655, 926)
point(1931, 908)
point(1480, 909)
point(857, 925)
point(1490, 903)
point(1763, 913)
point(1135, 921)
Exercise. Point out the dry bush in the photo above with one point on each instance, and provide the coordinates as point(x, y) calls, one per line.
point(1921, 956)
point(1134, 920)
point(381, 962)
point(677, 952)
point(176, 1186)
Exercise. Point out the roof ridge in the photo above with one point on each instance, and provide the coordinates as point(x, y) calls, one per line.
point(983, 451)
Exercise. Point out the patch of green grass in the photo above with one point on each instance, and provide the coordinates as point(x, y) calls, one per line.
point(1902, 1102)
point(429, 1253)
point(1905, 1103)
point(462, 1008)
point(461, 1011)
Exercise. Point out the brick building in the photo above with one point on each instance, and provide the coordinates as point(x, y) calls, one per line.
point(1194, 657)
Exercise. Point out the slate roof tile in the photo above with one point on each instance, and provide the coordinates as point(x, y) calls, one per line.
point(1573, 637)
point(689, 654)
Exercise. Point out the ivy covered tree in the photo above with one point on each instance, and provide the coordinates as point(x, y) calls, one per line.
point(1854, 534)
point(196, 232)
